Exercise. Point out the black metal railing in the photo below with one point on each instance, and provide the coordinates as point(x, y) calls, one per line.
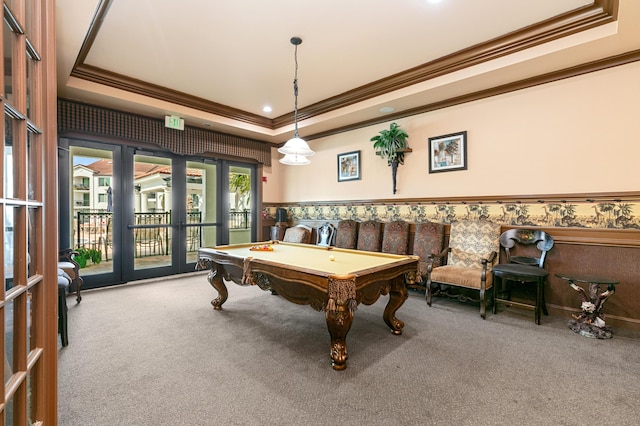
point(94, 230)
point(240, 220)
point(153, 240)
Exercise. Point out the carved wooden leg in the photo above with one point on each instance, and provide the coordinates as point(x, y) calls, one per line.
point(397, 295)
point(79, 283)
point(215, 279)
point(339, 323)
point(429, 291)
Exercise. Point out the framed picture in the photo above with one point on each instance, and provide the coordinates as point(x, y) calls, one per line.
point(349, 166)
point(448, 152)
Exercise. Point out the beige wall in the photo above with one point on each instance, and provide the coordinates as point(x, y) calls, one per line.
point(578, 135)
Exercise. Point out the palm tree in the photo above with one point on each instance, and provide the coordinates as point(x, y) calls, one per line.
point(240, 184)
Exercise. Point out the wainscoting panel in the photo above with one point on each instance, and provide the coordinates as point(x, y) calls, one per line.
point(596, 234)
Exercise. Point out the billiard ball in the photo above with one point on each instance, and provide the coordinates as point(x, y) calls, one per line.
point(332, 258)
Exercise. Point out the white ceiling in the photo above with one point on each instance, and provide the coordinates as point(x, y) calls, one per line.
point(223, 60)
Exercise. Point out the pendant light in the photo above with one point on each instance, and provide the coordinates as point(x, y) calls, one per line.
point(296, 149)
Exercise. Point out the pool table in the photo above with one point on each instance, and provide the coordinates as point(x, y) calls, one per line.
point(328, 279)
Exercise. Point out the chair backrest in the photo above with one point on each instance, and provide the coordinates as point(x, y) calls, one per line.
point(298, 234)
point(324, 234)
point(395, 237)
point(471, 241)
point(428, 239)
point(369, 236)
point(527, 238)
point(347, 234)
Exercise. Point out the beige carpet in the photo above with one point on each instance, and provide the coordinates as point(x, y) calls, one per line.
point(158, 354)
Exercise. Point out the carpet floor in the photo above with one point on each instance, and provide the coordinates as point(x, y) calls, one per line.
point(156, 353)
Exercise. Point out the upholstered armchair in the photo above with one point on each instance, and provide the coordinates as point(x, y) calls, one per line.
point(347, 234)
point(67, 263)
point(472, 253)
point(395, 237)
point(369, 236)
point(298, 234)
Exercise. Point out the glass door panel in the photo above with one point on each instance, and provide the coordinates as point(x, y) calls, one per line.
point(91, 209)
point(240, 201)
point(151, 231)
point(201, 224)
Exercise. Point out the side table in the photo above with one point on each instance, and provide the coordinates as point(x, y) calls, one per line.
point(590, 321)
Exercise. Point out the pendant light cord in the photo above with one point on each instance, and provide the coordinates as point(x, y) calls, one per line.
point(295, 92)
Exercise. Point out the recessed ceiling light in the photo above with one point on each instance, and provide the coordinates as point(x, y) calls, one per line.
point(387, 109)
point(433, 1)
point(266, 108)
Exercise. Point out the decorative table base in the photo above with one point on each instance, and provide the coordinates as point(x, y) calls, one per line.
point(590, 321)
point(589, 330)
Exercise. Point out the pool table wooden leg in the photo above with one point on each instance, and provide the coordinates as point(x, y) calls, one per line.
point(215, 279)
point(397, 295)
point(339, 323)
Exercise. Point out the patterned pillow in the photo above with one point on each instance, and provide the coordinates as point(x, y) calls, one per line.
point(458, 257)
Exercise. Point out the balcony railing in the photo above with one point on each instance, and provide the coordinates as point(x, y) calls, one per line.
point(240, 220)
point(94, 229)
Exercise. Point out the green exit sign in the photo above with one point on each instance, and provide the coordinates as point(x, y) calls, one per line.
point(173, 122)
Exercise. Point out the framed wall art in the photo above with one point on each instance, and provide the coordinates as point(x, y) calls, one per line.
point(349, 166)
point(448, 152)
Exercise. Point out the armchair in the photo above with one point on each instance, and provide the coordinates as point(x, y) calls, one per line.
point(72, 269)
point(472, 252)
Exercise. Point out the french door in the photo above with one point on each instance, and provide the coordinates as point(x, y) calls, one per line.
point(134, 214)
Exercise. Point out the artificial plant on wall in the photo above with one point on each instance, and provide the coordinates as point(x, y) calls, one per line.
point(392, 144)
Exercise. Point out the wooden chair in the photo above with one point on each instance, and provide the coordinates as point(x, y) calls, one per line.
point(369, 236)
point(298, 234)
point(524, 265)
point(324, 234)
point(347, 234)
point(395, 237)
point(428, 240)
point(472, 252)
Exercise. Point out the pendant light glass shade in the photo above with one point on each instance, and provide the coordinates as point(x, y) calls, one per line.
point(296, 150)
point(294, 160)
point(295, 146)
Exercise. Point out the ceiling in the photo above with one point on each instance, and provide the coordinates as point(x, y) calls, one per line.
point(216, 64)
